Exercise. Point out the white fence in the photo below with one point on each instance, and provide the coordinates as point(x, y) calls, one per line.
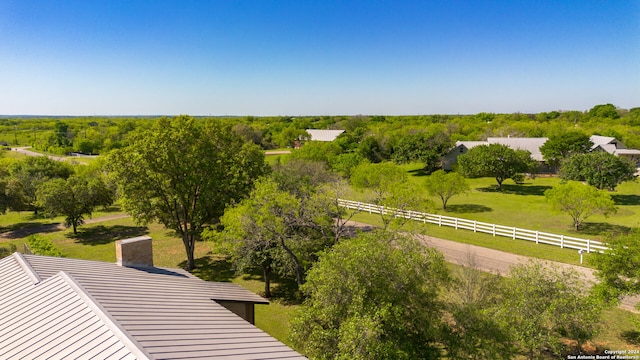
point(496, 230)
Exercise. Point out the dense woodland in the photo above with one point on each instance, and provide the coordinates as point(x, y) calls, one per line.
point(378, 137)
point(379, 295)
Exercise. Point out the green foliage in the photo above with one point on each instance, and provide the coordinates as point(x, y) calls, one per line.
point(579, 201)
point(446, 185)
point(606, 111)
point(75, 198)
point(541, 304)
point(345, 163)
point(619, 267)
point(27, 175)
point(317, 151)
point(599, 169)
point(495, 160)
point(389, 186)
point(184, 173)
point(372, 297)
point(41, 246)
point(426, 147)
point(564, 145)
point(6, 251)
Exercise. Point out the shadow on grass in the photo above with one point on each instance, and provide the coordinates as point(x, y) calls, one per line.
point(212, 268)
point(626, 199)
point(110, 209)
point(468, 208)
point(590, 228)
point(23, 229)
point(631, 337)
point(418, 172)
point(100, 235)
point(525, 189)
point(219, 268)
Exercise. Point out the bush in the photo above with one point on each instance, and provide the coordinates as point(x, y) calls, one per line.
point(41, 246)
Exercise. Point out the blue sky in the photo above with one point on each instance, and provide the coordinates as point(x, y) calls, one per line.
point(329, 57)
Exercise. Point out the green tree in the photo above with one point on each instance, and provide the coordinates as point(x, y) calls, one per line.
point(604, 111)
point(564, 145)
point(473, 299)
point(183, 174)
point(579, 201)
point(619, 267)
point(446, 185)
point(541, 304)
point(426, 147)
point(75, 198)
point(27, 175)
point(41, 246)
point(599, 169)
point(495, 160)
point(372, 297)
point(389, 186)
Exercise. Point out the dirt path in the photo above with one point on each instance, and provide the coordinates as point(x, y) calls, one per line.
point(16, 234)
point(496, 261)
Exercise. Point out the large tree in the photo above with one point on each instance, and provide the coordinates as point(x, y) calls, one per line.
point(75, 198)
point(542, 304)
point(27, 175)
point(495, 160)
point(563, 145)
point(446, 185)
point(183, 173)
point(373, 297)
point(599, 169)
point(579, 201)
point(619, 267)
point(426, 147)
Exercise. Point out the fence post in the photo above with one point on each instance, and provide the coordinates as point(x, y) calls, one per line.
point(588, 245)
point(514, 233)
point(494, 229)
point(561, 241)
point(536, 236)
point(439, 220)
point(474, 225)
point(456, 222)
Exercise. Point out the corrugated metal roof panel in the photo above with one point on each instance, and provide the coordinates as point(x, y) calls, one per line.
point(50, 320)
point(166, 313)
point(324, 135)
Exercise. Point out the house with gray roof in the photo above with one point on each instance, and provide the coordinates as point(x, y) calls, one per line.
point(532, 145)
point(615, 147)
point(59, 308)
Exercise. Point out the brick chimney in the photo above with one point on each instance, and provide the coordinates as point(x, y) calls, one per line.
point(134, 252)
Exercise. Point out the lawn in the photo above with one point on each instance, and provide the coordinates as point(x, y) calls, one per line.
point(524, 206)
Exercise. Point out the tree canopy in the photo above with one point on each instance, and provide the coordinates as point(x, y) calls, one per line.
point(446, 185)
point(579, 201)
point(372, 297)
point(495, 160)
point(564, 145)
point(599, 169)
point(183, 173)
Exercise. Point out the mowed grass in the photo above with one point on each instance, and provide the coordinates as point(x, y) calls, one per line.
point(525, 206)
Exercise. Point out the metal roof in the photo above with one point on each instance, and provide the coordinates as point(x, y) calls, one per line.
point(531, 145)
point(149, 312)
point(324, 135)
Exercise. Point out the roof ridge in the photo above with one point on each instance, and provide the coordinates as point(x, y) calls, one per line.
point(26, 266)
point(102, 313)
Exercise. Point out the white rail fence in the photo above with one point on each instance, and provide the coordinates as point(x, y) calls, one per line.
point(496, 230)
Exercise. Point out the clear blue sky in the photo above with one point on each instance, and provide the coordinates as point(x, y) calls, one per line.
point(325, 57)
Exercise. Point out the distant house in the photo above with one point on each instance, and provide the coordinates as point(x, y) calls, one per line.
point(531, 145)
point(615, 147)
point(67, 308)
point(323, 135)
